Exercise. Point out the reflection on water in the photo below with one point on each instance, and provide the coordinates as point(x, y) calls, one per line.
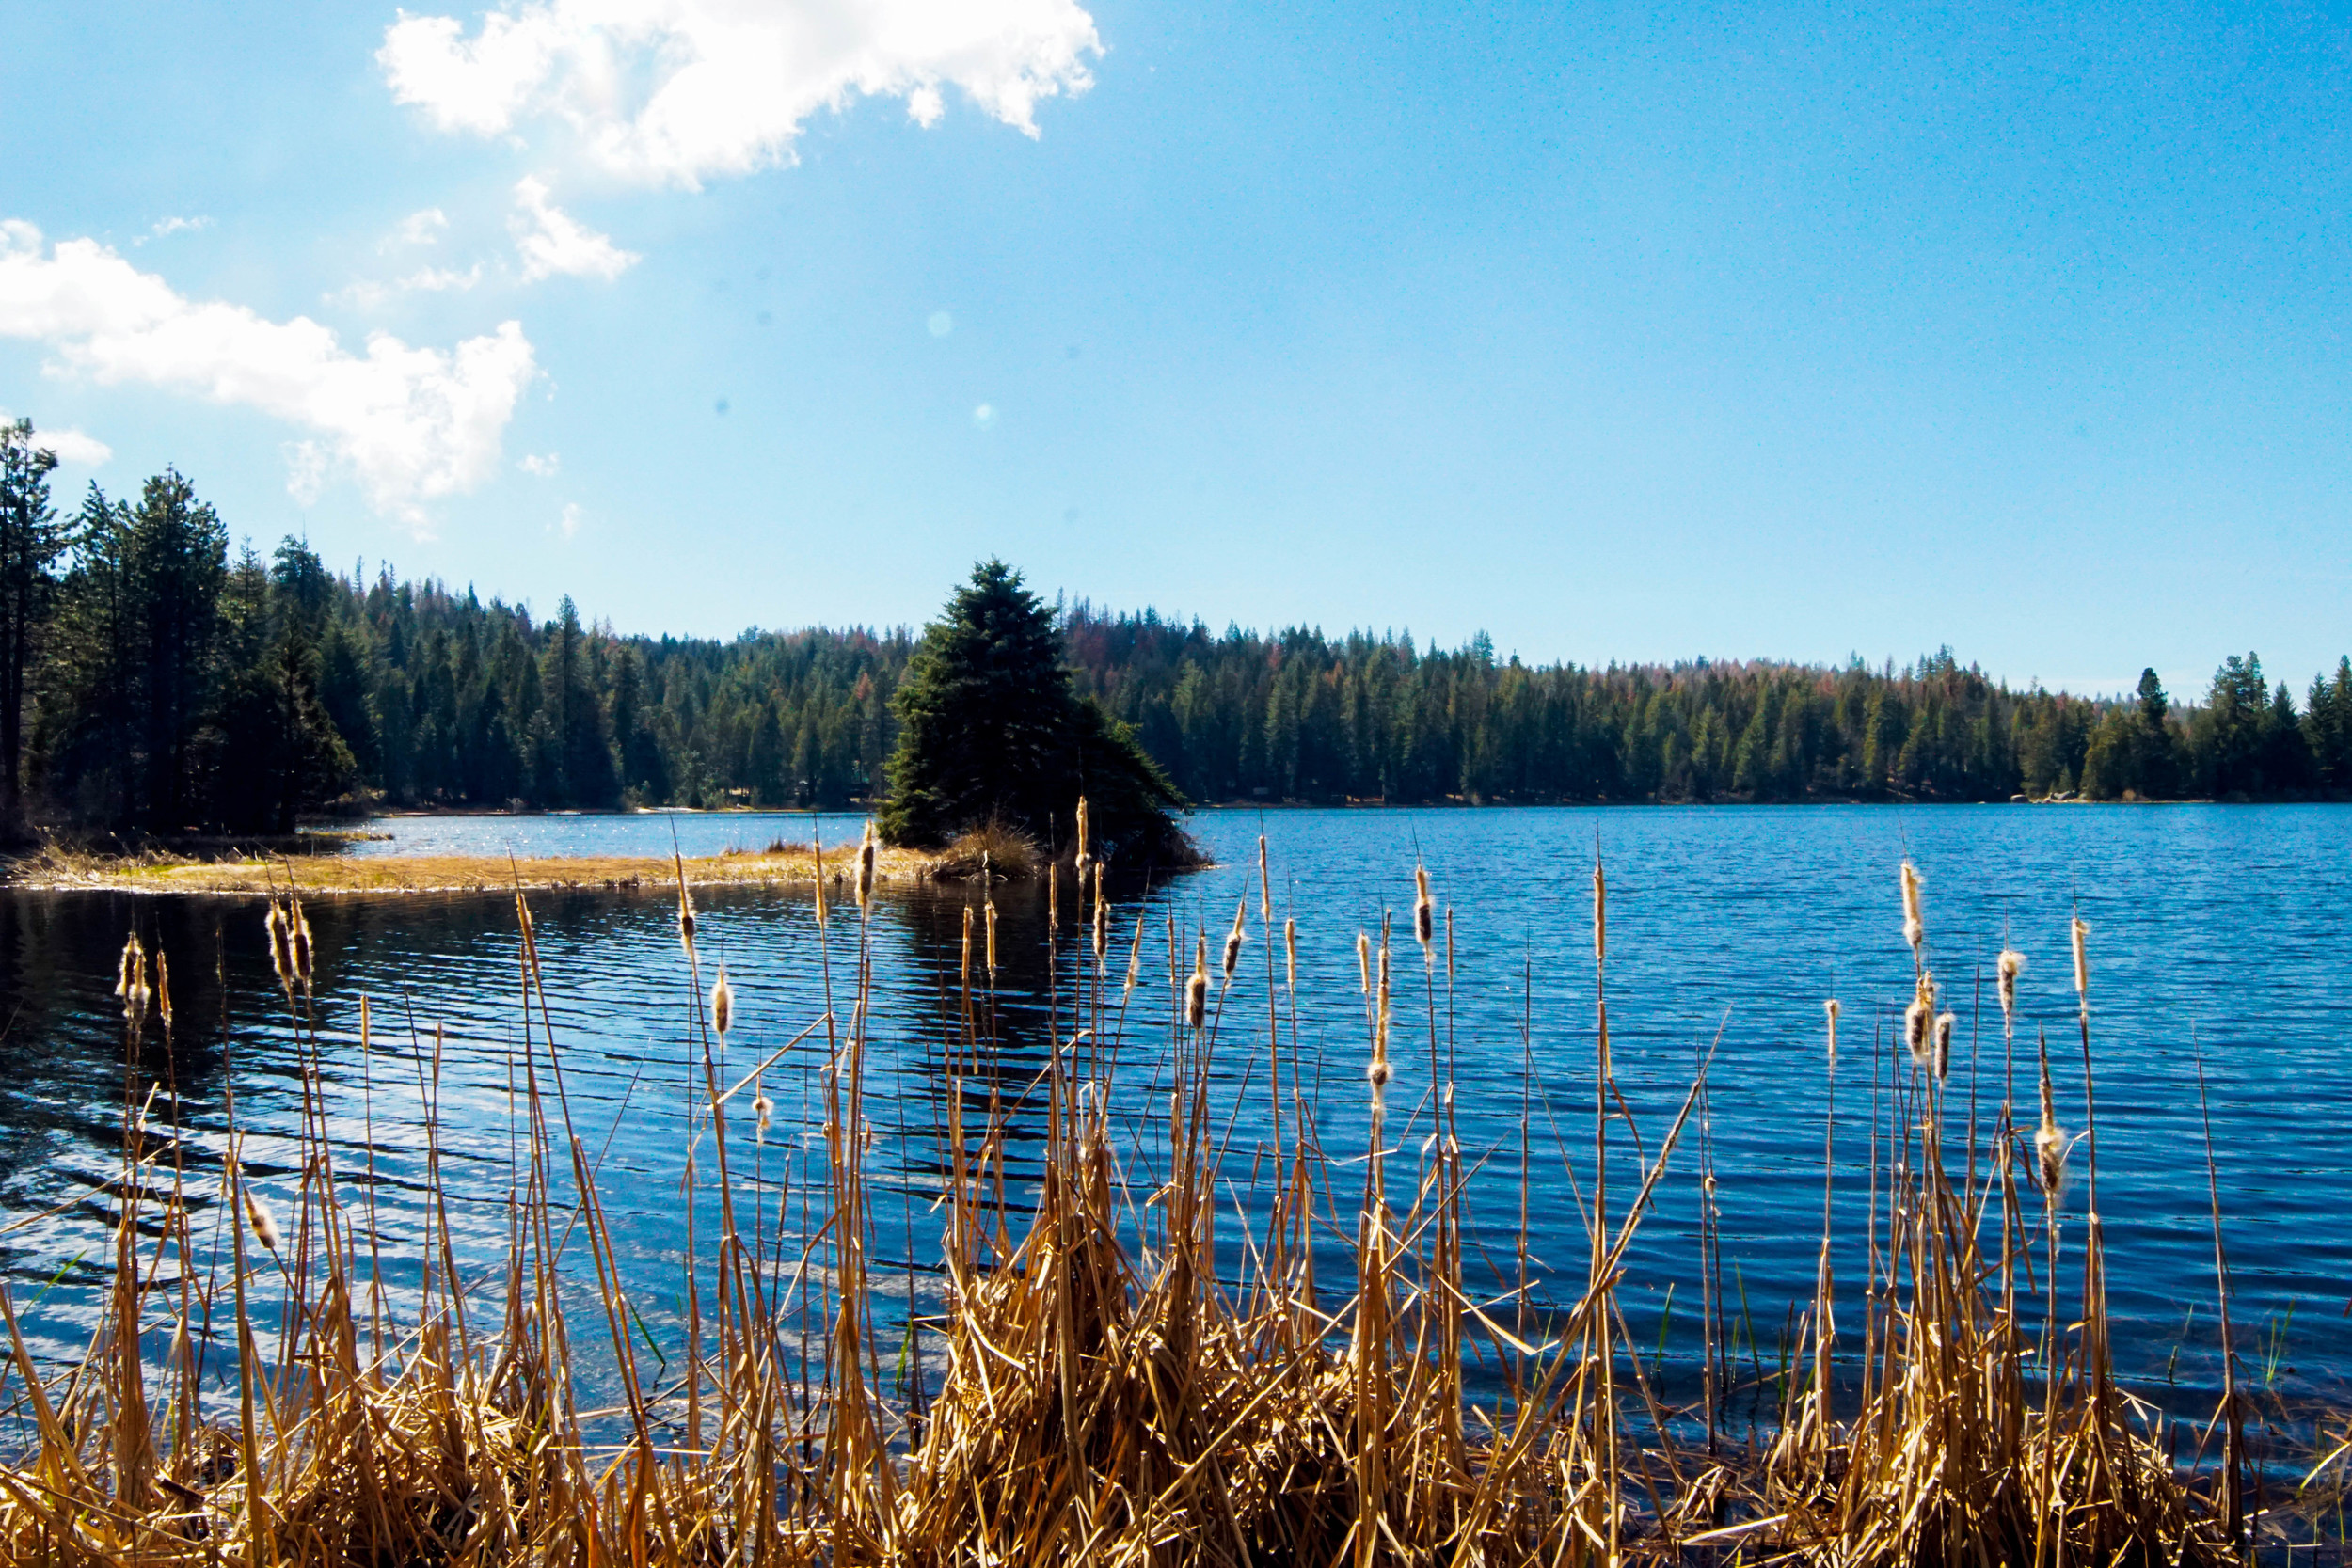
point(2216, 929)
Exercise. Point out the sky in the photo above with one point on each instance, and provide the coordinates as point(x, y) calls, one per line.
point(1618, 332)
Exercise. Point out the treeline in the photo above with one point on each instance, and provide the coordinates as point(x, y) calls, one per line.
point(151, 678)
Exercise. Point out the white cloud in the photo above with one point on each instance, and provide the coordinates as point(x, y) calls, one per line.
point(539, 466)
point(421, 228)
point(166, 226)
point(73, 448)
point(570, 520)
point(553, 244)
point(367, 293)
point(411, 424)
point(677, 91)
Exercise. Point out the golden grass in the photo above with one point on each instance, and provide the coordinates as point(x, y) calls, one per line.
point(1113, 1380)
point(156, 872)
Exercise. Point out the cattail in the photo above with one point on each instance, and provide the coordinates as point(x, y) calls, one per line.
point(1833, 1009)
point(1196, 987)
point(1424, 910)
point(1384, 973)
point(990, 911)
point(1601, 916)
point(1134, 959)
point(1234, 938)
point(280, 943)
point(1102, 927)
point(764, 1108)
point(257, 1214)
point(2005, 969)
point(722, 1004)
point(818, 848)
point(1053, 899)
point(686, 919)
point(2082, 958)
point(966, 971)
point(127, 972)
point(1378, 1074)
point(163, 988)
point(1290, 953)
point(298, 934)
point(1363, 962)
point(1085, 862)
point(2049, 1141)
point(1265, 886)
point(1944, 1026)
point(1918, 1023)
point(1914, 925)
point(866, 866)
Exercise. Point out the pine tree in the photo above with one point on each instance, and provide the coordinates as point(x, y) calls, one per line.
point(30, 544)
point(991, 731)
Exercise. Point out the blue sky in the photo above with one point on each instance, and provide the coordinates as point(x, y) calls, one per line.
point(1618, 332)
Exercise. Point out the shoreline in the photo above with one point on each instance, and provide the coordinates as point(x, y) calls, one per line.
point(54, 870)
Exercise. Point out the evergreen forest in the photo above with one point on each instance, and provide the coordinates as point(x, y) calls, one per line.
point(154, 678)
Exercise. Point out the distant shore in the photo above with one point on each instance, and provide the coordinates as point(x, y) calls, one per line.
point(256, 875)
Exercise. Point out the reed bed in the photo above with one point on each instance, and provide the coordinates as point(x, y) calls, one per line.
point(1122, 1368)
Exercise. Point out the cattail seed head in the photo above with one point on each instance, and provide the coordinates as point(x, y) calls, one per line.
point(1917, 1026)
point(1134, 957)
point(1197, 989)
point(1234, 938)
point(966, 971)
point(2005, 969)
point(1833, 1009)
point(2049, 1140)
point(1944, 1023)
point(298, 933)
point(1265, 886)
point(1378, 1074)
point(764, 1108)
point(163, 988)
point(1914, 922)
point(1102, 928)
point(990, 911)
point(127, 971)
point(1052, 899)
point(723, 1003)
point(1424, 910)
point(865, 849)
point(2079, 931)
point(1601, 916)
point(686, 919)
point(1083, 856)
point(280, 943)
point(1363, 962)
point(256, 1214)
point(1290, 953)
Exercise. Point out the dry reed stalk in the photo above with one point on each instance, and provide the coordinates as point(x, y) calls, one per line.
point(1098, 1394)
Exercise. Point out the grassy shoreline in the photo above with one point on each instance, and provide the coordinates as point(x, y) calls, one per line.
point(253, 874)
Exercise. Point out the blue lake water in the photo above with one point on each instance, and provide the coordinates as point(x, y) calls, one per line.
point(2215, 930)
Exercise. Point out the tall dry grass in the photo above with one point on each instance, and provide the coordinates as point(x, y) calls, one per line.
point(1127, 1370)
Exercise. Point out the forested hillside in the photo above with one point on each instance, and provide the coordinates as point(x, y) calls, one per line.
point(151, 677)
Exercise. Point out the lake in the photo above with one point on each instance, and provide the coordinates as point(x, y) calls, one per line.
point(2216, 931)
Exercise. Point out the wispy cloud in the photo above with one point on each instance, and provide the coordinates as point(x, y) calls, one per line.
point(541, 466)
point(164, 228)
point(370, 292)
point(727, 85)
point(552, 243)
point(409, 425)
point(421, 228)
